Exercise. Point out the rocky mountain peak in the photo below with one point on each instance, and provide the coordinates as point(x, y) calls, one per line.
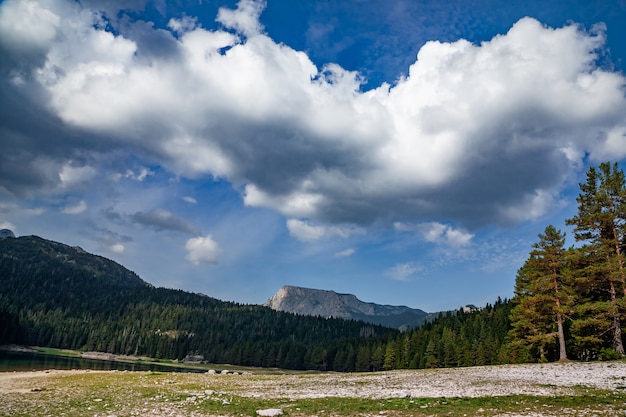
point(6, 233)
point(308, 302)
point(324, 303)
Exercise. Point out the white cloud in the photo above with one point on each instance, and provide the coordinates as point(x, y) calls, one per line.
point(7, 225)
point(117, 248)
point(613, 146)
point(78, 208)
point(306, 232)
point(245, 19)
point(140, 175)
point(457, 237)
point(438, 233)
point(26, 24)
point(533, 206)
point(70, 175)
point(447, 141)
point(190, 200)
point(345, 253)
point(183, 25)
point(300, 204)
point(403, 271)
point(202, 250)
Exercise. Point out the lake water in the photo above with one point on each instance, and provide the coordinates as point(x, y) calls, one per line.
point(29, 361)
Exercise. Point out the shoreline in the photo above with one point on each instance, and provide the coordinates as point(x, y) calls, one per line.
point(173, 364)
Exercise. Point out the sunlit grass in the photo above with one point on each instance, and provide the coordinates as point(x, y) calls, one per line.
point(100, 394)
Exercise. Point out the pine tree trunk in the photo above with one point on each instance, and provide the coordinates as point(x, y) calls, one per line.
point(559, 318)
point(542, 354)
point(562, 350)
point(620, 262)
point(618, 346)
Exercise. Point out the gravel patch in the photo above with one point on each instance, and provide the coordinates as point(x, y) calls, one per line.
point(533, 379)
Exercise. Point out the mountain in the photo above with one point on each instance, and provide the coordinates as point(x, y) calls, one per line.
point(55, 295)
point(5, 233)
point(323, 303)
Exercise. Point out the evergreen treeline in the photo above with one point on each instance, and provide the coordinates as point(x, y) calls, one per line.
point(570, 302)
point(454, 338)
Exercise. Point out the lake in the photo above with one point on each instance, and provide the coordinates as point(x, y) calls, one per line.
point(33, 361)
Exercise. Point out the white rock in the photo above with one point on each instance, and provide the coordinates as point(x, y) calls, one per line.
point(270, 412)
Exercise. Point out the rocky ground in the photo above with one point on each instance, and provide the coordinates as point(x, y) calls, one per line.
point(535, 379)
point(178, 395)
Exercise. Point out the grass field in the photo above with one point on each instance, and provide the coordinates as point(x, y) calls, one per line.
point(480, 391)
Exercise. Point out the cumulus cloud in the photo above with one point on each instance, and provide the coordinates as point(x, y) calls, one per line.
point(245, 19)
point(183, 25)
point(70, 176)
point(202, 250)
point(475, 133)
point(27, 25)
point(162, 220)
point(403, 271)
point(307, 232)
point(438, 233)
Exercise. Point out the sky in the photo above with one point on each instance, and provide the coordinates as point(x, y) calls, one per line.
point(407, 151)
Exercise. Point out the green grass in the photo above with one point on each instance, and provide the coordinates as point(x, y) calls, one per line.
point(57, 352)
point(126, 394)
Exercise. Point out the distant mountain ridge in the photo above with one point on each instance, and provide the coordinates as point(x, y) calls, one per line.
point(324, 303)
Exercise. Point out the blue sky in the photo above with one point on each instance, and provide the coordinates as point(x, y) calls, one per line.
point(408, 152)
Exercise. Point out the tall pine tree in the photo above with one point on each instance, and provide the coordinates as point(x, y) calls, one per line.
point(601, 224)
point(540, 292)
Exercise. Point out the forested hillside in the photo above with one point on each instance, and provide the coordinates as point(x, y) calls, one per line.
point(456, 338)
point(58, 296)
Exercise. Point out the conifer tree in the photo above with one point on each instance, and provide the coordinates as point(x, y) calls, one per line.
point(601, 224)
point(530, 316)
point(540, 294)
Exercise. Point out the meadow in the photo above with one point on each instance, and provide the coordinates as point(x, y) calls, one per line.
point(556, 389)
